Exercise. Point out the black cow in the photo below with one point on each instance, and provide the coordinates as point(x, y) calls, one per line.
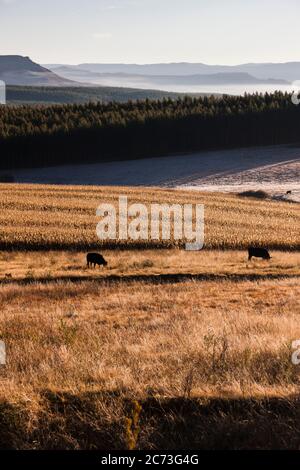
point(258, 253)
point(95, 258)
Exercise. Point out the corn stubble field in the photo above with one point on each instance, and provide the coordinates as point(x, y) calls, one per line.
point(162, 348)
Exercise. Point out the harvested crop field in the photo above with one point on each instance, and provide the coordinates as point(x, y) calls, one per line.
point(64, 217)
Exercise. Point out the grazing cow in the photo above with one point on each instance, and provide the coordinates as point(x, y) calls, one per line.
point(289, 192)
point(95, 258)
point(258, 253)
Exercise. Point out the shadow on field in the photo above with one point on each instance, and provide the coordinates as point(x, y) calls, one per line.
point(152, 278)
point(102, 420)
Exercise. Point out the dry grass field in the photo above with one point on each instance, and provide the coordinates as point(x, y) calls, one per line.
point(162, 348)
point(145, 265)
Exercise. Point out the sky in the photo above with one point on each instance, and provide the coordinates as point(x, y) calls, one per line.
point(151, 31)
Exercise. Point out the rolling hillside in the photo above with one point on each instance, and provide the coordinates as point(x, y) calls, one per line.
point(72, 95)
point(18, 70)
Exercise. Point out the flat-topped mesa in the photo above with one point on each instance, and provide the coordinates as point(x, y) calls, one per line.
point(19, 70)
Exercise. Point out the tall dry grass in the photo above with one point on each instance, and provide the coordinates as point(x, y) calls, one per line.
point(213, 338)
point(194, 358)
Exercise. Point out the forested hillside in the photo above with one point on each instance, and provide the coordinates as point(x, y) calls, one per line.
point(80, 95)
point(38, 136)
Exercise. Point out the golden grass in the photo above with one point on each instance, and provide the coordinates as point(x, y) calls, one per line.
point(212, 338)
point(41, 216)
point(180, 336)
point(196, 358)
point(164, 264)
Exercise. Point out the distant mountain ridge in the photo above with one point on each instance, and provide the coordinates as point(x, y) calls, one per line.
point(230, 77)
point(278, 71)
point(123, 78)
point(174, 77)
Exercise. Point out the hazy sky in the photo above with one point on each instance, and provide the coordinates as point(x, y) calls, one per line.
point(147, 31)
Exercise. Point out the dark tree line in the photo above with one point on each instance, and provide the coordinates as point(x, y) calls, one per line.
point(96, 132)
